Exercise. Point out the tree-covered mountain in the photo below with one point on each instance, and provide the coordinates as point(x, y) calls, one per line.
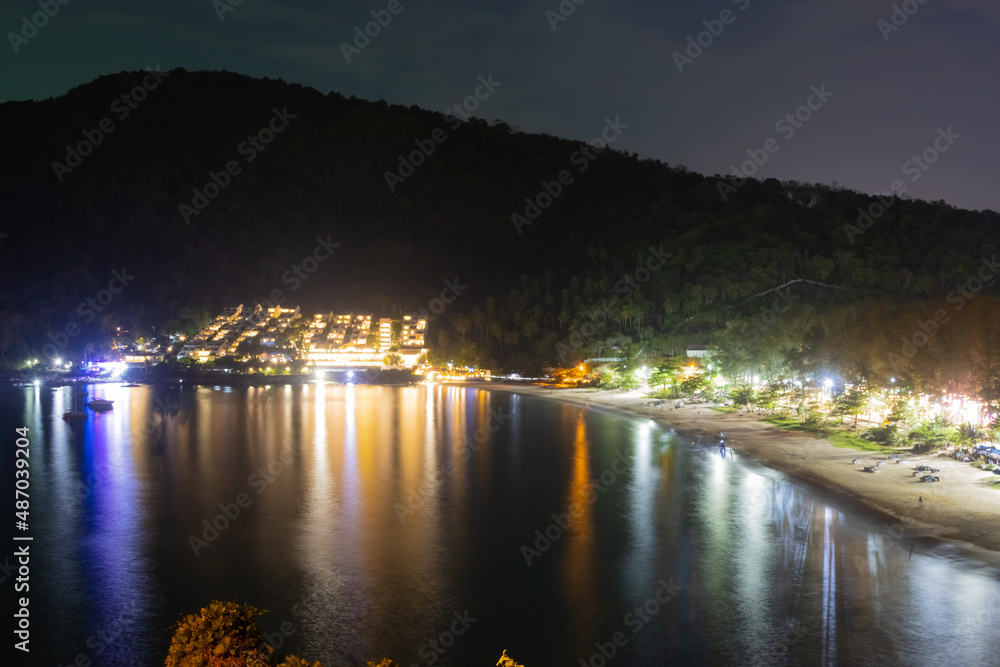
point(561, 250)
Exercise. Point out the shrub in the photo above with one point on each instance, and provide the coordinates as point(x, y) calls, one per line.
point(223, 634)
point(885, 435)
point(296, 661)
point(507, 661)
point(743, 397)
point(814, 419)
point(931, 435)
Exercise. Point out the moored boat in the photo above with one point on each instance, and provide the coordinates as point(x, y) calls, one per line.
point(76, 413)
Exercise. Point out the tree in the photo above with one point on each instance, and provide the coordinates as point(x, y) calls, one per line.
point(743, 397)
point(666, 372)
point(223, 634)
point(852, 402)
point(393, 360)
point(296, 661)
point(692, 384)
point(507, 661)
point(931, 435)
point(395, 331)
point(769, 397)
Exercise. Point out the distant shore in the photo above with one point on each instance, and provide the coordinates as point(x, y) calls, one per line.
point(223, 379)
point(959, 507)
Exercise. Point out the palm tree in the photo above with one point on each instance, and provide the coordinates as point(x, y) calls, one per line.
point(462, 324)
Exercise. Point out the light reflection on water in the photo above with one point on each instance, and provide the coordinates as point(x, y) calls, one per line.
point(377, 516)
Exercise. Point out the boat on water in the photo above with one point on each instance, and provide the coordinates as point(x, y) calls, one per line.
point(76, 413)
point(100, 404)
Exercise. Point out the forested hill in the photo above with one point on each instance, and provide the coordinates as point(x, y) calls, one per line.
point(323, 176)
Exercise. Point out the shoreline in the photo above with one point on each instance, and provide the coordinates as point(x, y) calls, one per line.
point(216, 378)
point(959, 508)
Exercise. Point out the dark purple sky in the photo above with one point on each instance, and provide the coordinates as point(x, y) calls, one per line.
point(893, 89)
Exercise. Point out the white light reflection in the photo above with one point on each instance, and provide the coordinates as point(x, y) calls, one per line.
point(829, 622)
point(352, 492)
point(643, 487)
point(753, 522)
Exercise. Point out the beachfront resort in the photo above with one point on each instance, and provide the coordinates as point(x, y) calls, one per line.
point(326, 340)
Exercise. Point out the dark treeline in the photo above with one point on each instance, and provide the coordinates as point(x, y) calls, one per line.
point(632, 252)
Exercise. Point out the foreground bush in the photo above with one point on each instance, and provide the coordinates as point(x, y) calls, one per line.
point(884, 435)
point(507, 661)
point(225, 634)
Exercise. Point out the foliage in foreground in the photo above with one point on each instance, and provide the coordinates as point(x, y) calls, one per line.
point(507, 661)
point(225, 634)
point(222, 634)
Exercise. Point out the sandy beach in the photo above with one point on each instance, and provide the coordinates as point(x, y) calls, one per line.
point(960, 507)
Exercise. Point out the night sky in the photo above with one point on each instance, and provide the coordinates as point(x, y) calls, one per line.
point(900, 75)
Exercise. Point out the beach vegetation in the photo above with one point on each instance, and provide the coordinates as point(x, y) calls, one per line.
point(931, 435)
point(887, 436)
point(225, 634)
